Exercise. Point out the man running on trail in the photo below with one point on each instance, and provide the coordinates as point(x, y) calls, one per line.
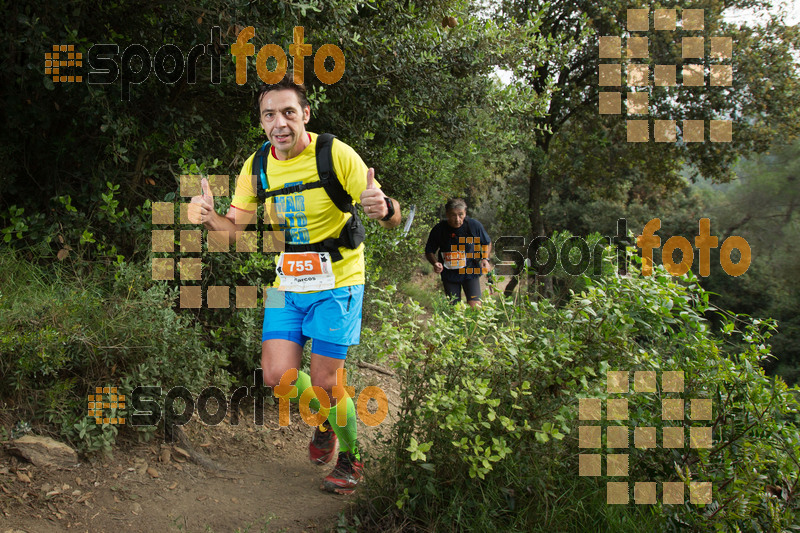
point(322, 267)
point(463, 248)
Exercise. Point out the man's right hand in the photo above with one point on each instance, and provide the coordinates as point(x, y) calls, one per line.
point(438, 267)
point(201, 208)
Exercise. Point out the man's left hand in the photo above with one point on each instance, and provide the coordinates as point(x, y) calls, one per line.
point(372, 199)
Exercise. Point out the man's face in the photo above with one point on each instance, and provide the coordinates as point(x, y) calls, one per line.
point(455, 217)
point(284, 121)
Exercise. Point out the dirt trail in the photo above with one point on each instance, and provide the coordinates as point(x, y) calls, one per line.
point(268, 483)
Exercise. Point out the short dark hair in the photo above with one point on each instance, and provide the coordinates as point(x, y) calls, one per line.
point(455, 203)
point(286, 83)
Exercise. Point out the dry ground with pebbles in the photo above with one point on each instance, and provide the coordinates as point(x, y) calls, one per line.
point(266, 482)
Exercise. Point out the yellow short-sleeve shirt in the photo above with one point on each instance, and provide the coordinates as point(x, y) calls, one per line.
point(310, 215)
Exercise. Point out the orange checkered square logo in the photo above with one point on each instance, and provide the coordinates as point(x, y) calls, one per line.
point(61, 62)
point(197, 240)
point(698, 69)
point(618, 453)
point(105, 398)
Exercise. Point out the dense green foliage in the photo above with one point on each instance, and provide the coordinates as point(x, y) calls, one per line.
point(762, 206)
point(572, 139)
point(410, 100)
point(487, 438)
point(62, 335)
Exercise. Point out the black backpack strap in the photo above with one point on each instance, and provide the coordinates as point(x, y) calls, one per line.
point(352, 233)
point(328, 245)
point(291, 190)
point(262, 178)
point(327, 174)
point(259, 169)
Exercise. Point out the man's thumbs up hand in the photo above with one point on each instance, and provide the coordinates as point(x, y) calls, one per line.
point(372, 199)
point(201, 208)
point(207, 190)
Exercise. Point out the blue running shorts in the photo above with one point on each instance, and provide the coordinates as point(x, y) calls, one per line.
point(332, 319)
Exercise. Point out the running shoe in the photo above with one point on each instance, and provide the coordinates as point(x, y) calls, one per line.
point(345, 475)
point(322, 445)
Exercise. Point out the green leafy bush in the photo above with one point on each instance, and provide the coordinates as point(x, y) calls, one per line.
point(61, 336)
point(98, 229)
point(487, 436)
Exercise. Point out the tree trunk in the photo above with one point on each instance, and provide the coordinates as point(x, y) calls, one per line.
point(543, 283)
point(535, 197)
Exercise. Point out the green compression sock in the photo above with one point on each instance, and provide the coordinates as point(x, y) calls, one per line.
point(304, 382)
point(348, 433)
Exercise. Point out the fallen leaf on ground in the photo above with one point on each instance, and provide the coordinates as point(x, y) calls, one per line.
point(182, 451)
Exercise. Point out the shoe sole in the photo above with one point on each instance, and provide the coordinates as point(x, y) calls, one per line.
point(335, 489)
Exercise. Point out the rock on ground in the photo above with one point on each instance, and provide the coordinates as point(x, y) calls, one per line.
point(44, 451)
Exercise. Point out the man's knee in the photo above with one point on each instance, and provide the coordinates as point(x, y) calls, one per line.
point(271, 379)
point(277, 369)
point(277, 358)
point(273, 376)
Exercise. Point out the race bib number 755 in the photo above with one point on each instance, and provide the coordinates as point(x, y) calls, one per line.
point(306, 271)
point(297, 267)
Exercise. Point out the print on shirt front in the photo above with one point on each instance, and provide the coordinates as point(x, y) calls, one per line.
point(310, 216)
point(292, 208)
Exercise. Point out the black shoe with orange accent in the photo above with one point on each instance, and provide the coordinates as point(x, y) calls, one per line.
point(323, 445)
point(345, 475)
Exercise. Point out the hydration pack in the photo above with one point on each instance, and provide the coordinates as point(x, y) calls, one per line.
point(352, 234)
